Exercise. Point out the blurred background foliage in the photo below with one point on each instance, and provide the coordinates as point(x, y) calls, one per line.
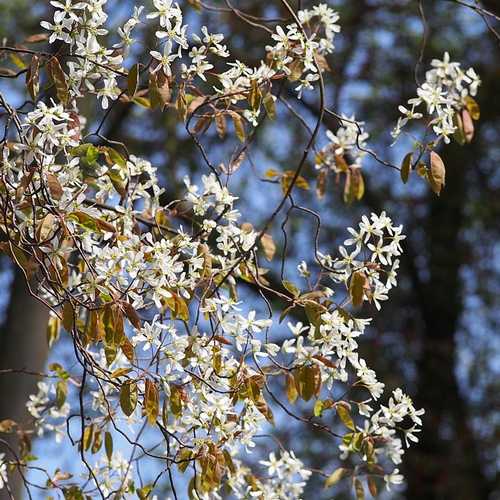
point(439, 334)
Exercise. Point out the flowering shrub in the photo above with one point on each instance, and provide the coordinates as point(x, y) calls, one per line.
point(150, 291)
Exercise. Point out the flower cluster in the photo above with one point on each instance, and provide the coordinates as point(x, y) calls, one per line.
point(298, 53)
point(347, 144)
point(446, 90)
point(330, 343)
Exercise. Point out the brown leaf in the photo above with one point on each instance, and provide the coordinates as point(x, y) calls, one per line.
point(220, 125)
point(196, 104)
point(55, 188)
point(59, 79)
point(468, 125)
point(133, 80)
point(131, 314)
point(239, 127)
point(33, 77)
point(202, 124)
point(268, 246)
point(406, 168)
point(321, 183)
point(437, 174)
point(39, 37)
point(159, 90)
point(357, 288)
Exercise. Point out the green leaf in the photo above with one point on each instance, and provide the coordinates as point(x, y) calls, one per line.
point(254, 96)
point(318, 408)
point(183, 459)
point(145, 492)
point(291, 288)
point(53, 328)
point(61, 392)
point(345, 416)
point(142, 101)
point(113, 157)
point(88, 433)
point(108, 445)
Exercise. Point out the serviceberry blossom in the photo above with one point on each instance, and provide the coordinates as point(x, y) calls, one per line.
point(443, 94)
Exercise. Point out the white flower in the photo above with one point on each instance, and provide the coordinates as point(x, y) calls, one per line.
point(393, 478)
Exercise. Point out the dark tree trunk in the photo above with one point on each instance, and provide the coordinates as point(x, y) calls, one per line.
point(23, 345)
point(446, 464)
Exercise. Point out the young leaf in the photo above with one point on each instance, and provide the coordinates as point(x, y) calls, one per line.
point(437, 173)
point(468, 125)
point(291, 388)
point(291, 288)
point(133, 80)
point(220, 125)
point(345, 415)
point(239, 127)
point(336, 476)
point(151, 402)
point(458, 134)
point(128, 397)
point(372, 486)
point(357, 287)
point(108, 445)
point(406, 168)
point(33, 76)
point(268, 246)
point(53, 327)
point(359, 490)
point(61, 392)
point(321, 183)
point(59, 79)
point(270, 106)
point(472, 107)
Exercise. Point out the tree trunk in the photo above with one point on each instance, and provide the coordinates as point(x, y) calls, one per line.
point(23, 345)
point(446, 463)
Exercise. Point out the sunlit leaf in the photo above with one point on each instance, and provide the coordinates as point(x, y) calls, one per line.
point(437, 173)
point(128, 397)
point(345, 415)
point(336, 476)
